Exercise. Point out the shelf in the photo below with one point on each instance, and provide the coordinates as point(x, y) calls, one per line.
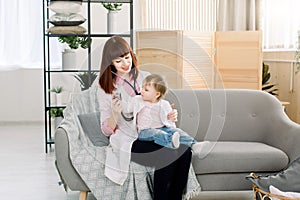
point(70, 71)
point(54, 106)
point(105, 1)
point(51, 70)
point(86, 35)
point(108, 1)
point(50, 141)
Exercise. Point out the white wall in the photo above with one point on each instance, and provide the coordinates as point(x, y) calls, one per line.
point(22, 97)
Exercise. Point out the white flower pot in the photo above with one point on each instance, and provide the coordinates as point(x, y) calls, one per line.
point(57, 121)
point(112, 22)
point(58, 99)
point(68, 59)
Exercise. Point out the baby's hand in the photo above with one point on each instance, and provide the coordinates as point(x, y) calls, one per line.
point(172, 116)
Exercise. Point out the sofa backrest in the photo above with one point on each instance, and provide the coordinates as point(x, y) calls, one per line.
point(225, 115)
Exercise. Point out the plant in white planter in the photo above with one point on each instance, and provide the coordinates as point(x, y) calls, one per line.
point(113, 9)
point(112, 6)
point(56, 114)
point(68, 54)
point(58, 94)
point(86, 79)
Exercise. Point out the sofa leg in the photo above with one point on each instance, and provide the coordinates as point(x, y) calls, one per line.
point(83, 195)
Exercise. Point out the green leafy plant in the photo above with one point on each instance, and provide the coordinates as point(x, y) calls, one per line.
point(112, 6)
point(57, 89)
point(75, 42)
point(86, 79)
point(266, 86)
point(56, 112)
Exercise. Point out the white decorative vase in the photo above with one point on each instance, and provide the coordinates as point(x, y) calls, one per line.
point(68, 59)
point(112, 22)
point(58, 99)
point(57, 121)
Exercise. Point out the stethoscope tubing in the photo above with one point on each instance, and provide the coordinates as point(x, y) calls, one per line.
point(134, 81)
point(134, 89)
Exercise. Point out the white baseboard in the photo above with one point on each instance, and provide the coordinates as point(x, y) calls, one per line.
point(15, 123)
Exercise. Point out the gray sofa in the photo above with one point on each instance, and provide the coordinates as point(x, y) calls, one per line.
point(248, 129)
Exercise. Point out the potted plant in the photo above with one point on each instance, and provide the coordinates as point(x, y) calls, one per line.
point(56, 114)
point(85, 79)
point(297, 58)
point(112, 6)
point(73, 42)
point(57, 90)
point(113, 9)
point(266, 86)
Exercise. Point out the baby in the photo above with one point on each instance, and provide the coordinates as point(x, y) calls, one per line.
point(151, 113)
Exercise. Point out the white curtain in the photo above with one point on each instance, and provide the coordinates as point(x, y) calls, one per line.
point(21, 34)
point(238, 15)
point(281, 23)
point(192, 15)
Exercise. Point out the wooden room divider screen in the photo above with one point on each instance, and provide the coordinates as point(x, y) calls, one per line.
point(190, 59)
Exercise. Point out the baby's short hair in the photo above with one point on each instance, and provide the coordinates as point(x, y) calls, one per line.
point(158, 82)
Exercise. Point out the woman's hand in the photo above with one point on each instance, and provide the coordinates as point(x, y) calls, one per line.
point(116, 107)
point(172, 116)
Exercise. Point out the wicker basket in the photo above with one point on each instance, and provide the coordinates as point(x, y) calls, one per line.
point(260, 194)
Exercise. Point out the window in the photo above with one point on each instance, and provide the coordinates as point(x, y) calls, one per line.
point(280, 23)
point(279, 18)
point(21, 31)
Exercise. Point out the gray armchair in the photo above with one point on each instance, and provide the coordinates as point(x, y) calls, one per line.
point(69, 176)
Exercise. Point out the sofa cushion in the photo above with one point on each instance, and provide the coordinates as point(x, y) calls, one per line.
point(90, 123)
point(228, 157)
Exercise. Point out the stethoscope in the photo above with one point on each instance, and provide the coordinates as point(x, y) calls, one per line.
point(134, 81)
point(134, 89)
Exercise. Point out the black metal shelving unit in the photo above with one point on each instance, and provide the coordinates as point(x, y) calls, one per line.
point(48, 72)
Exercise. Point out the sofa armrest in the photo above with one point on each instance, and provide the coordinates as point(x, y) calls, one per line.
point(66, 170)
point(284, 134)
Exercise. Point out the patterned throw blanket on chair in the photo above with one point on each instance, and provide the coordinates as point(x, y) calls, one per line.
point(89, 160)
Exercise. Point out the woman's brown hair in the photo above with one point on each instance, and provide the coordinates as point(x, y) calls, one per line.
point(115, 47)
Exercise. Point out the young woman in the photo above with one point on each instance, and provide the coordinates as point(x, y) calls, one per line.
point(119, 75)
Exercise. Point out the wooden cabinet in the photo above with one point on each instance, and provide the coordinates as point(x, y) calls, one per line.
point(202, 60)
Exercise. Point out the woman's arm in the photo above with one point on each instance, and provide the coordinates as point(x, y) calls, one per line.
point(110, 109)
point(106, 130)
point(116, 110)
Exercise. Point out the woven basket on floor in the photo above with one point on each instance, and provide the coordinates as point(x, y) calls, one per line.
point(260, 194)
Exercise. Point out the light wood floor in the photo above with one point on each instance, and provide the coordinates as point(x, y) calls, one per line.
point(26, 171)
